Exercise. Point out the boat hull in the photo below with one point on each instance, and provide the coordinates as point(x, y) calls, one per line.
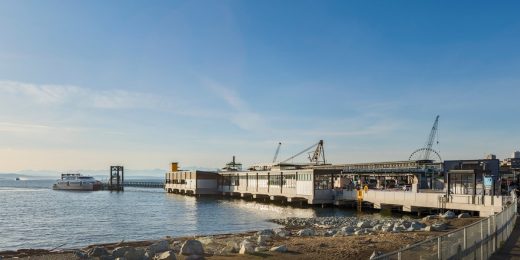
point(75, 186)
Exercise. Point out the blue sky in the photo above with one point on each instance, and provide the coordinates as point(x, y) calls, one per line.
point(87, 84)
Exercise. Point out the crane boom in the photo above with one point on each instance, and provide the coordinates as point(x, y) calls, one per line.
point(316, 155)
point(277, 151)
point(429, 143)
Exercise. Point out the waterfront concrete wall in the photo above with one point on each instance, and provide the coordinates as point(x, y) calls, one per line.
point(415, 201)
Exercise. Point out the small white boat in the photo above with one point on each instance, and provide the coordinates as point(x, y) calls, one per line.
point(75, 181)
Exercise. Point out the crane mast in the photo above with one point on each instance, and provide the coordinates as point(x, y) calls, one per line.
point(429, 143)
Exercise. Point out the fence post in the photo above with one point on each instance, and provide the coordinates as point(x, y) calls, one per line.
point(482, 240)
point(465, 241)
point(439, 248)
point(488, 239)
point(494, 234)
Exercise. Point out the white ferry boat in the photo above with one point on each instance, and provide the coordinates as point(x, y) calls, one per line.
point(75, 181)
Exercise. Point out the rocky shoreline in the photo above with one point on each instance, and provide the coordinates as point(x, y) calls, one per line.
point(299, 238)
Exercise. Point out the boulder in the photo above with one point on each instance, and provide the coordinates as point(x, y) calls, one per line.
point(330, 233)
point(97, 252)
point(347, 229)
point(78, 254)
point(192, 247)
point(439, 227)
point(262, 240)
point(246, 248)
point(406, 224)
point(464, 215)
point(449, 215)
point(168, 255)
point(387, 228)
point(106, 257)
point(120, 251)
point(158, 247)
point(206, 240)
point(266, 232)
point(359, 232)
point(364, 224)
point(398, 228)
point(282, 233)
point(429, 217)
point(306, 232)
point(134, 254)
point(377, 227)
point(428, 228)
point(260, 249)
point(194, 257)
point(280, 249)
point(231, 247)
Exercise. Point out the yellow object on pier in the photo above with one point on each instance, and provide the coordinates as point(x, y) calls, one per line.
point(175, 166)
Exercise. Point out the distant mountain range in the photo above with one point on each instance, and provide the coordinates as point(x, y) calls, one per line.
point(98, 174)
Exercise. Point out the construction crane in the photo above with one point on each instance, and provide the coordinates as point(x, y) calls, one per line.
point(317, 157)
point(277, 151)
point(424, 153)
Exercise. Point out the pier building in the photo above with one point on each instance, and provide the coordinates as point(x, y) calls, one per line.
point(191, 182)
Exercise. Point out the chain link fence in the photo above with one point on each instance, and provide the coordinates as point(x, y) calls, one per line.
point(476, 241)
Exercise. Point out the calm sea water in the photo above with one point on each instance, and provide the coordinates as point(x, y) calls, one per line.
point(32, 215)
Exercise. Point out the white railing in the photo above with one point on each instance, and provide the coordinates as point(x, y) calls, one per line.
point(476, 241)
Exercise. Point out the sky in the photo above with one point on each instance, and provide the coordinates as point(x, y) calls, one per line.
point(89, 84)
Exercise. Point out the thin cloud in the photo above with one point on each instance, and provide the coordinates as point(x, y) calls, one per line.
point(240, 114)
point(46, 94)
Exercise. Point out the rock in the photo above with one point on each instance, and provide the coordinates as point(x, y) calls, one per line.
point(398, 229)
point(266, 232)
point(406, 224)
point(429, 217)
point(260, 249)
point(330, 233)
point(347, 229)
point(106, 257)
point(306, 232)
point(439, 227)
point(363, 224)
point(359, 232)
point(97, 252)
point(375, 254)
point(386, 229)
point(78, 254)
point(120, 251)
point(415, 226)
point(246, 248)
point(206, 240)
point(428, 228)
point(464, 215)
point(168, 255)
point(158, 247)
point(449, 215)
point(134, 254)
point(231, 247)
point(282, 233)
point(192, 247)
point(377, 227)
point(262, 240)
point(280, 249)
point(121, 258)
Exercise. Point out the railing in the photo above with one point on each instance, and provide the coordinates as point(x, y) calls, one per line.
point(476, 241)
point(144, 184)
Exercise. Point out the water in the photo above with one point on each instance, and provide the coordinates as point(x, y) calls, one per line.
point(32, 215)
